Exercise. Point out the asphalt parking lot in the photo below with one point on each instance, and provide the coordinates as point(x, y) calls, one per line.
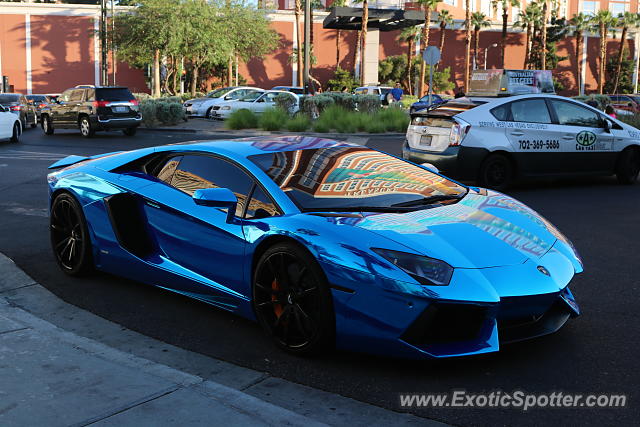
point(593, 354)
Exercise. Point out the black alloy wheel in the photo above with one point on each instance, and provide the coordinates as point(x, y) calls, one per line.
point(628, 166)
point(292, 300)
point(69, 236)
point(496, 172)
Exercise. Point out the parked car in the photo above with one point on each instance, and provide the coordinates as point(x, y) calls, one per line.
point(203, 107)
point(38, 102)
point(10, 126)
point(495, 141)
point(629, 103)
point(257, 102)
point(20, 106)
point(293, 89)
point(92, 109)
point(424, 102)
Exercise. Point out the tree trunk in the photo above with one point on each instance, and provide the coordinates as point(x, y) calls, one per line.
point(194, 80)
point(230, 71)
point(337, 48)
point(356, 53)
point(467, 45)
point(409, 65)
point(363, 49)
point(174, 83)
point(623, 38)
point(476, 43)
point(543, 50)
point(298, 12)
point(527, 53)
point(156, 73)
point(425, 44)
point(603, 55)
point(505, 18)
point(579, 61)
point(443, 33)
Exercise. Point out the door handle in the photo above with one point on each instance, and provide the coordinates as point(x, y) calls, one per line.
point(517, 133)
point(568, 136)
point(152, 204)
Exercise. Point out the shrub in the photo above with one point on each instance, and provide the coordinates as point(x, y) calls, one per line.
point(321, 126)
point(242, 119)
point(393, 118)
point(367, 103)
point(299, 123)
point(342, 78)
point(319, 101)
point(407, 100)
point(344, 100)
point(273, 119)
point(148, 110)
point(374, 126)
point(285, 103)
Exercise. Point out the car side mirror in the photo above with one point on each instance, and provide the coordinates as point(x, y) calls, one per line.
point(217, 198)
point(606, 125)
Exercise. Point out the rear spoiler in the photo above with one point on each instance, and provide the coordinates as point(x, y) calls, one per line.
point(73, 159)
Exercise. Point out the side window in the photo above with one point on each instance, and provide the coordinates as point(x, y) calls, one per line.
point(166, 170)
point(501, 112)
point(260, 205)
point(571, 114)
point(76, 95)
point(530, 111)
point(270, 97)
point(65, 96)
point(197, 172)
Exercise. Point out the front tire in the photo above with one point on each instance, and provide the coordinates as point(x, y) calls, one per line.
point(47, 127)
point(628, 166)
point(292, 300)
point(496, 172)
point(208, 113)
point(86, 129)
point(15, 135)
point(69, 235)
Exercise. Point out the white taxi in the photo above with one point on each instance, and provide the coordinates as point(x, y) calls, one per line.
point(496, 140)
point(10, 126)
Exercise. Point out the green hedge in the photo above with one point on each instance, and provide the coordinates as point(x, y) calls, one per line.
point(162, 111)
point(242, 119)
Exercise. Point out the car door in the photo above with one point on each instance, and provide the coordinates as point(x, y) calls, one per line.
point(199, 238)
point(588, 145)
point(73, 106)
point(6, 122)
point(533, 136)
point(59, 110)
point(267, 100)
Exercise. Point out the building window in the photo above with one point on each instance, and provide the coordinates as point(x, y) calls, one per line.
point(451, 2)
point(485, 7)
point(618, 8)
point(590, 7)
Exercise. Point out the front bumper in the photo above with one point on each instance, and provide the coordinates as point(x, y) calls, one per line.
point(457, 162)
point(102, 122)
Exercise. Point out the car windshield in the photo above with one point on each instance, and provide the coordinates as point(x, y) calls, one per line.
point(434, 98)
point(9, 98)
point(349, 178)
point(251, 96)
point(219, 92)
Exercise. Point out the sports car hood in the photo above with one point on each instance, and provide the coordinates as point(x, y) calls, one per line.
point(480, 231)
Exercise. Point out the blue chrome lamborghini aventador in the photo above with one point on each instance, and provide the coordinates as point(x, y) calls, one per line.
point(324, 243)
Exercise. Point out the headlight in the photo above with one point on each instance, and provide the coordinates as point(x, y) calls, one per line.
point(427, 271)
point(226, 107)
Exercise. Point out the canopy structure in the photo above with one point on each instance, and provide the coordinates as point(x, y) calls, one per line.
point(350, 18)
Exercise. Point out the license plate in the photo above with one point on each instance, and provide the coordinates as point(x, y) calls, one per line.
point(425, 140)
point(120, 109)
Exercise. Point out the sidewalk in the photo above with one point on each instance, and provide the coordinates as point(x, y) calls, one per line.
point(50, 376)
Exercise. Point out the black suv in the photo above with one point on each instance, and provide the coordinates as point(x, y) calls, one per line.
point(91, 109)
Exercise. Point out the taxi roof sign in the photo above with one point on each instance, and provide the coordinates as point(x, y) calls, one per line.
point(500, 82)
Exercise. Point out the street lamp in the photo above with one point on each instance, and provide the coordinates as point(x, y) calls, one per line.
point(485, 53)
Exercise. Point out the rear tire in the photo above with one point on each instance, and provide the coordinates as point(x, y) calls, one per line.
point(69, 235)
point(208, 113)
point(130, 131)
point(47, 127)
point(86, 129)
point(35, 122)
point(15, 135)
point(628, 166)
point(496, 172)
point(292, 300)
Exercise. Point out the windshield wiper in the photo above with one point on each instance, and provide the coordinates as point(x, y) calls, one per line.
point(429, 200)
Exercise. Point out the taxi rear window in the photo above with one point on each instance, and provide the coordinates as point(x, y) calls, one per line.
point(501, 112)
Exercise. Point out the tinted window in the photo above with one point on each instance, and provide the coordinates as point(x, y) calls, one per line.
point(113, 94)
point(37, 98)
point(574, 115)
point(260, 205)
point(9, 98)
point(198, 172)
point(76, 95)
point(530, 111)
point(350, 177)
point(165, 172)
point(65, 95)
point(501, 112)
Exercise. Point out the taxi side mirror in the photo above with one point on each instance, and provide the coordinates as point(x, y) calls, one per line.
point(606, 125)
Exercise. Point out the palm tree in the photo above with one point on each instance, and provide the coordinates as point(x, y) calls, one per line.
point(625, 20)
point(338, 3)
point(362, 41)
point(445, 18)
point(505, 18)
point(543, 41)
point(580, 23)
point(427, 6)
point(467, 43)
point(601, 22)
point(298, 13)
point(527, 20)
point(409, 35)
point(478, 20)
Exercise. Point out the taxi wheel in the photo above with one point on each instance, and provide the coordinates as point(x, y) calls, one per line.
point(496, 172)
point(628, 166)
